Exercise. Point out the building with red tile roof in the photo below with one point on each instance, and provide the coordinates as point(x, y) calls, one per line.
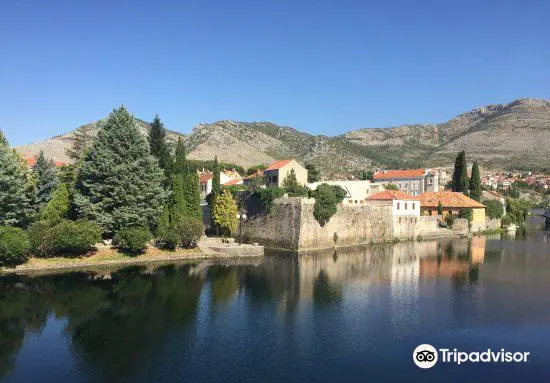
point(451, 203)
point(403, 204)
point(30, 160)
point(412, 181)
point(277, 171)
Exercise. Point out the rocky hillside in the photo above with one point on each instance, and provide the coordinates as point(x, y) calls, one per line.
point(514, 135)
point(505, 135)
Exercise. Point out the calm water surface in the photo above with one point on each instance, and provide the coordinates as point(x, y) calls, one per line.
point(348, 316)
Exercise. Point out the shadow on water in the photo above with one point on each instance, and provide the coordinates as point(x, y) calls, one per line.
point(117, 323)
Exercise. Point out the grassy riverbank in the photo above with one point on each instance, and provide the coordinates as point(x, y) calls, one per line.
point(106, 257)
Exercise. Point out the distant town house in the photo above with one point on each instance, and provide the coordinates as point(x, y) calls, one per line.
point(402, 204)
point(227, 178)
point(412, 181)
point(451, 203)
point(357, 191)
point(277, 171)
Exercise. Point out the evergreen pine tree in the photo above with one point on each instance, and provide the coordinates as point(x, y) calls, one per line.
point(475, 183)
point(119, 184)
point(313, 174)
point(180, 162)
point(460, 174)
point(159, 145)
point(45, 175)
point(82, 138)
point(15, 196)
point(58, 207)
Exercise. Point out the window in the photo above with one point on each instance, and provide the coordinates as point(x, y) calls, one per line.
point(405, 206)
point(274, 179)
point(350, 201)
point(356, 201)
point(398, 206)
point(413, 205)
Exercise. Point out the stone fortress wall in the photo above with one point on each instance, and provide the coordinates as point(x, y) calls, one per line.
point(291, 226)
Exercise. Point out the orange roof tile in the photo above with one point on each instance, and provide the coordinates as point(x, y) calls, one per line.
point(30, 161)
point(399, 174)
point(233, 182)
point(388, 195)
point(204, 177)
point(448, 200)
point(278, 164)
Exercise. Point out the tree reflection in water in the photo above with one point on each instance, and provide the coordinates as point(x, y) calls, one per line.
point(117, 322)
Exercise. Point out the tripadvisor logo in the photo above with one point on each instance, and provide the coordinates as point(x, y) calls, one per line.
point(426, 356)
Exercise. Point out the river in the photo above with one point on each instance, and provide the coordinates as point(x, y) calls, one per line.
point(353, 315)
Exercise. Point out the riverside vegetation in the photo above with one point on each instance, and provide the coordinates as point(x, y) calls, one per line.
point(126, 188)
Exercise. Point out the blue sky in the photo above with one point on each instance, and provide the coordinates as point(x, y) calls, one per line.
point(324, 67)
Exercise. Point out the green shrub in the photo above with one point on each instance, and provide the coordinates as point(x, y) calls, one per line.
point(190, 232)
point(132, 240)
point(327, 197)
point(14, 246)
point(268, 195)
point(65, 238)
point(449, 220)
point(493, 209)
point(466, 213)
point(506, 220)
point(37, 231)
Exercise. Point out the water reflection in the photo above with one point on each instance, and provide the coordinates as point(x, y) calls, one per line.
point(118, 322)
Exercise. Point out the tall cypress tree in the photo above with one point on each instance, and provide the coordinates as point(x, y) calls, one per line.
point(180, 162)
point(178, 202)
point(15, 199)
point(216, 185)
point(460, 174)
point(120, 183)
point(159, 145)
point(475, 183)
point(46, 179)
point(193, 197)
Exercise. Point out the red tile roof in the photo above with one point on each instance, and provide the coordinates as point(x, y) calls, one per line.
point(233, 182)
point(388, 195)
point(399, 174)
point(204, 177)
point(278, 164)
point(448, 200)
point(31, 160)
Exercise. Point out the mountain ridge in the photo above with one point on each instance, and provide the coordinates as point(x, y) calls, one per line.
point(512, 135)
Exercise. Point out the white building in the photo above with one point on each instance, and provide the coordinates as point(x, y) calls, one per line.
point(227, 178)
point(357, 191)
point(403, 204)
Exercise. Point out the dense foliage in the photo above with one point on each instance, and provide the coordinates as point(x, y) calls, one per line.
point(67, 237)
point(45, 176)
point(390, 186)
point(475, 183)
point(16, 193)
point(517, 209)
point(493, 209)
point(120, 184)
point(59, 205)
point(224, 213)
point(313, 174)
point(14, 246)
point(268, 195)
point(292, 187)
point(459, 181)
point(327, 197)
point(190, 232)
point(255, 168)
point(167, 235)
point(158, 144)
point(132, 240)
point(466, 213)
